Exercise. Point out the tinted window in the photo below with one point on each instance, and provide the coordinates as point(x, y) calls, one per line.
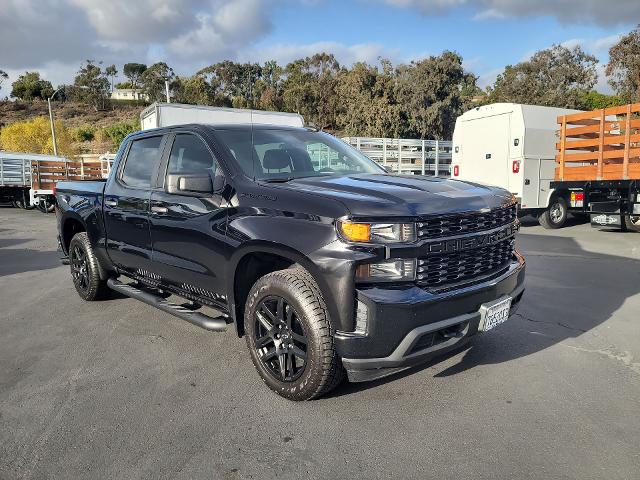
point(273, 153)
point(141, 160)
point(190, 155)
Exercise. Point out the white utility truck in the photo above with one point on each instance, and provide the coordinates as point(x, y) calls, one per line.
point(168, 114)
point(511, 146)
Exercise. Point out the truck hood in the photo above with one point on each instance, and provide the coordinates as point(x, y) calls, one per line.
point(381, 195)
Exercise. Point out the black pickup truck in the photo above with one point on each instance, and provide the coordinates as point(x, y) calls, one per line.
point(325, 262)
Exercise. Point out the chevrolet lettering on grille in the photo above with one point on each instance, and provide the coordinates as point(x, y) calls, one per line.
point(469, 243)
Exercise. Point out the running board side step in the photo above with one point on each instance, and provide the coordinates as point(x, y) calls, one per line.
point(212, 324)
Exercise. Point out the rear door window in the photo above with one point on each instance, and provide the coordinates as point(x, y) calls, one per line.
point(142, 159)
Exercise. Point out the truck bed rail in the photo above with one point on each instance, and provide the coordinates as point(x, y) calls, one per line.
point(599, 145)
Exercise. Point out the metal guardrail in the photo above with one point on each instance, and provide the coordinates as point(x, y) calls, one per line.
point(404, 155)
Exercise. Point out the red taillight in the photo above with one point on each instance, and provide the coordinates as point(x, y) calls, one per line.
point(456, 170)
point(515, 167)
point(579, 196)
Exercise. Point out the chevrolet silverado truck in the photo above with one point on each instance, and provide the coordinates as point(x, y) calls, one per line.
point(325, 262)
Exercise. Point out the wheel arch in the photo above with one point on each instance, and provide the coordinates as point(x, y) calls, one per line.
point(70, 226)
point(555, 192)
point(253, 261)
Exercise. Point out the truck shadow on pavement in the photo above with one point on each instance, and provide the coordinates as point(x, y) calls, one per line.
point(569, 292)
point(19, 260)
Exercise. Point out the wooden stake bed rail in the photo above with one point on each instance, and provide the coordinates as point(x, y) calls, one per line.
point(45, 174)
point(599, 145)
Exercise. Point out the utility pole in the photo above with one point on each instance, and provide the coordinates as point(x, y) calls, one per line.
point(53, 127)
point(166, 90)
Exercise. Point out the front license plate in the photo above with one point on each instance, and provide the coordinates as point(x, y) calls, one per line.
point(494, 314)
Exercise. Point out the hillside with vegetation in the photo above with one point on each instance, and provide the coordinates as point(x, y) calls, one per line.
point(420, 99)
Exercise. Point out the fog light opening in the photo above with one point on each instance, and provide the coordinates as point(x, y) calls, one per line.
point(362, 318)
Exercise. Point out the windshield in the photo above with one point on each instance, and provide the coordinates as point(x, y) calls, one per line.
point(287, 154)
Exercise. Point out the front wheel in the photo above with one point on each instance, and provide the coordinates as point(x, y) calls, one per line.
point(555, 216)
point(632, 222)
point(84, 269)
point(289, 335)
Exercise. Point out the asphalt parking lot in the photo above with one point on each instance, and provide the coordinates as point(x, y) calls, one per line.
point(117, 389)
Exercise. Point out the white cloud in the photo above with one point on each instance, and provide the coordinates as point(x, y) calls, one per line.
point(345, 54)
point(569, 11)
point(222, 34)
point(185, 33)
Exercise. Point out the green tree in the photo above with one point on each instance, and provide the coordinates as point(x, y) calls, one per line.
point(297, 89)
point(268, 88)
point(153, 81)
point(194, 90)
point(133, 71)
point(30, 86)
point(368, 103)
point(91, 85)
point(623, 68)
point(595, 101)
point(111, 71)
point(430, 93)
point(233, 84)
point(325, 70)
point(555, 77)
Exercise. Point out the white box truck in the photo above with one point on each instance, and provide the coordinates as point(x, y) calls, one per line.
point(167, 114)
point(511, 146)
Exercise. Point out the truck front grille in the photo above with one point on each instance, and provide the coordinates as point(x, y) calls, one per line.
point(444, 270)
point(450, 225)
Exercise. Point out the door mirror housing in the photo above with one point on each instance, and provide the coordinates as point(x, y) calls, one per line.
point(191, 184)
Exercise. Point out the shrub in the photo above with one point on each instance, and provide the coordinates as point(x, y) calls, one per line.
point(34, 136)
point(85, 133)
point(118, 131)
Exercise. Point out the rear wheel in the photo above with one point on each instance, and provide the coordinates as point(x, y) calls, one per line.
point(46, 206)
point(289, 335)
point(555, 216)
point(84, 269)
point(23, 205)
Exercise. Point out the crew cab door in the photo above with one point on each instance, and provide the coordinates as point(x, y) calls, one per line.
point(188, 229)
point(126, 204)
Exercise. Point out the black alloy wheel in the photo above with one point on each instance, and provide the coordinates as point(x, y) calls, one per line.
point(79, 268)
point(85, 269)
point(279, 339)
point(290, 336)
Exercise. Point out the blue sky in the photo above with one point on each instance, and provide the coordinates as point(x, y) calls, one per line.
point(189, 34)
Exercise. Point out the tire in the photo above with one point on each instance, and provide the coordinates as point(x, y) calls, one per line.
point(555, 216)
point(632, 223)
point(289, 335)
point(23, 205)
point(84, 269)
point(46, 207)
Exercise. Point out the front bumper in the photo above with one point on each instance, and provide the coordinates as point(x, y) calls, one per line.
point(409, 326)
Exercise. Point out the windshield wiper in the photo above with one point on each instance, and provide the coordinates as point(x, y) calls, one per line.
point(278, 179)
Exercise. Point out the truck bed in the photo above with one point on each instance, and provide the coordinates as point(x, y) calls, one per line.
point(82, 187)
point(599, 145)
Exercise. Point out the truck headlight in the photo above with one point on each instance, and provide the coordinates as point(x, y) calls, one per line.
point(377, 232)
point(394, 270)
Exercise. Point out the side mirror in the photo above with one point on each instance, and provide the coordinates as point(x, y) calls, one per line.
point(387, 168)
point(219, 181)
point(192, 184)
